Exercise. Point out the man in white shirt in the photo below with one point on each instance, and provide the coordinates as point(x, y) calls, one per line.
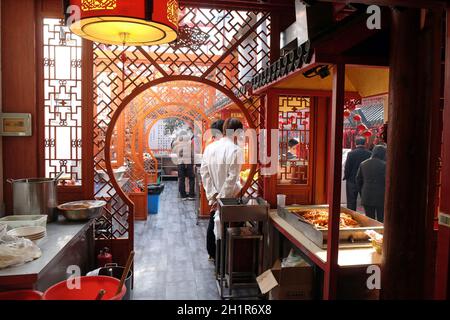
point(221, 165)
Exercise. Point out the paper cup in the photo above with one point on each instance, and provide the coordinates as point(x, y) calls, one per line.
point(281, 200)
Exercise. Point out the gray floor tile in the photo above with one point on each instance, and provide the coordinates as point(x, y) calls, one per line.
point(171, 260)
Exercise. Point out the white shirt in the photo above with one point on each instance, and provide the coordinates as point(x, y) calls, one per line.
point(221, 165)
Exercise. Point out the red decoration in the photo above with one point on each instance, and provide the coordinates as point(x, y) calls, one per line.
point(305, 122)
point(361, 127)
point(347, 113)
point(367, 134)
point(123, 57)
point(357, 117)
point(159, 17)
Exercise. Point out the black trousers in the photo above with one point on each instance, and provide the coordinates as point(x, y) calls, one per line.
point(375, 212)
point(186, 171)
point(352, 194)
point(210, 237)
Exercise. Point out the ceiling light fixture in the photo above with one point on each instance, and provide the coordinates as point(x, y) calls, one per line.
point(120, 22)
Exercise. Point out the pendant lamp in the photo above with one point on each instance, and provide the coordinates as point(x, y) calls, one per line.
point(123, 22)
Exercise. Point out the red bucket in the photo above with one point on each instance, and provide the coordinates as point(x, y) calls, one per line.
point(21, 295)
point(89, 288)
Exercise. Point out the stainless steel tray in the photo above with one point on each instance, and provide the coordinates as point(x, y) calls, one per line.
point(348, 237)
point(250, 209)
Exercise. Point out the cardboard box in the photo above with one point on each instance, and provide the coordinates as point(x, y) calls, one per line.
point(292, 283)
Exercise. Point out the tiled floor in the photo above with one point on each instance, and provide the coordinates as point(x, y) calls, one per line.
point(171, 260)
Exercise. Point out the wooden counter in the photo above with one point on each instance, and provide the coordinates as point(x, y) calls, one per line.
point(66, 243)
point(354, 257)
point(353, 262)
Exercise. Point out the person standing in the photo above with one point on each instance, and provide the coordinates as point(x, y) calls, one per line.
point(216, 135)
point(354, 159)
point(221, 166)
point(184, 151)
point(371, 182)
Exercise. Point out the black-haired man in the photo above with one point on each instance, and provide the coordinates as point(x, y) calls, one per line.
point(354, 159)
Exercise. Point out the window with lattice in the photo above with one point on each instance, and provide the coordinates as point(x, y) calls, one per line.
point(294, 140)
point(62, 101)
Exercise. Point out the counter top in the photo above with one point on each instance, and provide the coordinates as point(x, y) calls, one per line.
point(347, 258)
point(59, 235)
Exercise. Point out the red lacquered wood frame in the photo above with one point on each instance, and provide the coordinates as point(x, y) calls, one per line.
point(442, 279)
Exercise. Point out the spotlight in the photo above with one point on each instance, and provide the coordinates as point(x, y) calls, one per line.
point(321, 71)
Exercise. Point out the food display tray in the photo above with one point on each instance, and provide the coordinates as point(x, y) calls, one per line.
point(348, 237)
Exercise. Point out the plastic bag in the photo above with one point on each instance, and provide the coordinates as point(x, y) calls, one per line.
point(217, 226)
point(15, 251)
point(293, 260)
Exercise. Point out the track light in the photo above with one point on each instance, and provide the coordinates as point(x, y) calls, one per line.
point(321, 71)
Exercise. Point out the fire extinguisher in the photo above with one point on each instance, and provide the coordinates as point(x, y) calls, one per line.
point(104, 257)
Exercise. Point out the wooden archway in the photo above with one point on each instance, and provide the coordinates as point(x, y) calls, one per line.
point(136, 151)
point(137, 91)
point(139, 160)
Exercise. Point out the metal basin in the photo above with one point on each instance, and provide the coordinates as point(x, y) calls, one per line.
point(81, 210)
point(249, 209)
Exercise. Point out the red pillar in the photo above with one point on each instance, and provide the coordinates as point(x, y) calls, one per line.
point(271, 122)
point(414, 94)
point(442, 280)
point(334, 182)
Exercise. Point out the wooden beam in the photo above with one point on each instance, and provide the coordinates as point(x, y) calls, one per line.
point(413, 78)
point(429, 4)
point(345, 35)
point(378, 61)
point(240, 4)
point(334, 182)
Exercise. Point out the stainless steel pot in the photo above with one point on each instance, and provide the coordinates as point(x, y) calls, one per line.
point(113, 270)
point(35, 196)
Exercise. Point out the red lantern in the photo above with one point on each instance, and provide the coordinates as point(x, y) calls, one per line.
point(361, 127)
point(137, 22)
point(367, 134)
point(347, 113)
point(357, 117)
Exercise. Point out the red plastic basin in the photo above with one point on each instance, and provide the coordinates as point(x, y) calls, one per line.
point(21, 295)
point(89, 288)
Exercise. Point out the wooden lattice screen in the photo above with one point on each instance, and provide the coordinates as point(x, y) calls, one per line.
point(236, 46)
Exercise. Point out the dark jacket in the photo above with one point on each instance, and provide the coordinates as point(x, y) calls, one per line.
point(371, 178)
point(354, 159)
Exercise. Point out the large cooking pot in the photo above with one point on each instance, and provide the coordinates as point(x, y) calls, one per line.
point(35, 196)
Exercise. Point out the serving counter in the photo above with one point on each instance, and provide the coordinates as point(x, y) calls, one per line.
point(353, 262)
point(66, 244)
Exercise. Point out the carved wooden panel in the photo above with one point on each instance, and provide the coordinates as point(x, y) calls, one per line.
point(62, 101)
point(236, 47)
point(295, 139)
